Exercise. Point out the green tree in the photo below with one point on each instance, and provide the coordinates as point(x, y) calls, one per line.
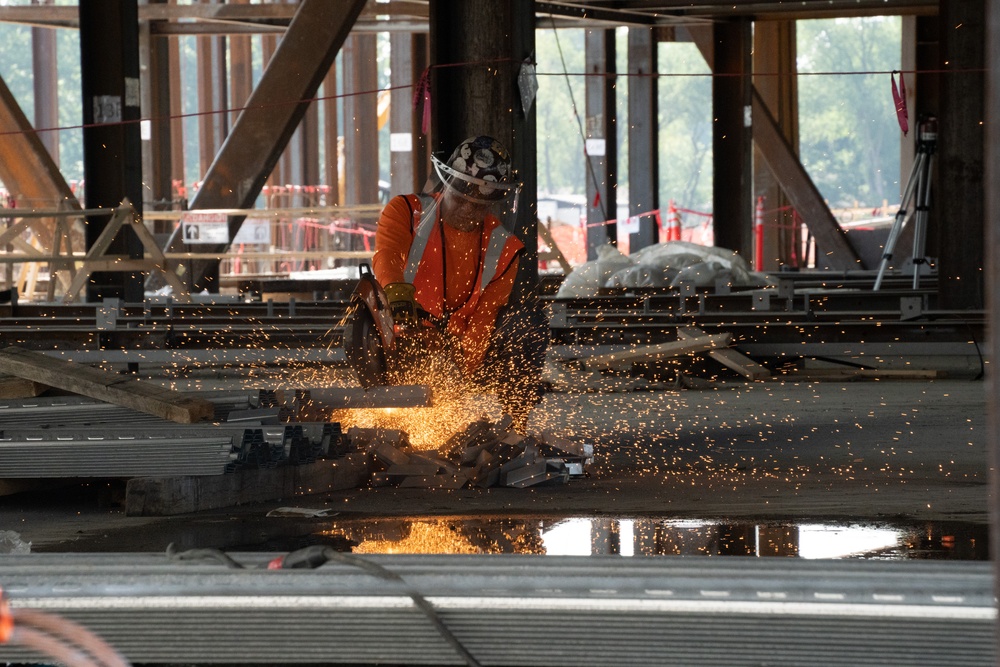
point(685, 126)
point(17, 71)
point(560, 106)
point(848, 134)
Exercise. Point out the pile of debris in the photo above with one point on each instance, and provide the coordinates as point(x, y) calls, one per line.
point(482, 455)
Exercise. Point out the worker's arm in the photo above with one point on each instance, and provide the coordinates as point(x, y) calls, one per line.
point(478, 330)
point(393, 237)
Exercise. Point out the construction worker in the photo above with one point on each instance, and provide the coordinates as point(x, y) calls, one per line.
point(449, 253)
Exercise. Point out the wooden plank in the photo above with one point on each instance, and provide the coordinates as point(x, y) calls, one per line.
point(730, 358)
point(15, 387)
point(659, 351)
point(105, 386)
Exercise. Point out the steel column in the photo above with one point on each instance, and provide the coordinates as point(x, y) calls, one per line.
point(112, 154)
point(46, 84)
point(331, 134)
point(774, 79)
point(957, 230)
point(992, 242)
point(644, 136)
point(421, 141)
point(177, 171)
point(731, 137)
point(361, 120)
point(602, 126)
point(477, 50)
point(213, 125)
point(154, 54)
point(240, 70)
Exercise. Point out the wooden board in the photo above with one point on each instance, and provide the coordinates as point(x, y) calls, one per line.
point(15, 387)
point(105, 386)
point(642, 353)
point(730, 358)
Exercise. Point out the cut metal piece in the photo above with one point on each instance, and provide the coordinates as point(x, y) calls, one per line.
point(403, 396)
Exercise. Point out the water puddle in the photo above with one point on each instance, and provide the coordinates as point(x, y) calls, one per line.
point(581, 536)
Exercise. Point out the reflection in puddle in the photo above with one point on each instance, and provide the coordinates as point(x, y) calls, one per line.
point(656, 537)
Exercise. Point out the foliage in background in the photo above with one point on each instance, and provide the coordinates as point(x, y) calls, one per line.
point(17, 71)
point(849, 137)
point(560, 106)
point(685, 122)
point(849, 140)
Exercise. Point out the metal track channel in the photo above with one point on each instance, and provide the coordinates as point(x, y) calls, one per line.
point(521, 610)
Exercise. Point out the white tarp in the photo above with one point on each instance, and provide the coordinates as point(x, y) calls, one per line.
point(662, 265)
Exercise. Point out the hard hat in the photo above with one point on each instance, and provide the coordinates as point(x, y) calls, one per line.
point(479, 169)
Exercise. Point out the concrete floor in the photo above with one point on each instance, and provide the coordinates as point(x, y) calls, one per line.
point(861, 451)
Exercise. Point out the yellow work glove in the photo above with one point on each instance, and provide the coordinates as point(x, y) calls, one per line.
point(402, 303)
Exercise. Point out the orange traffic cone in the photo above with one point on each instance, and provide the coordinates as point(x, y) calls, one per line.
point(673, 223)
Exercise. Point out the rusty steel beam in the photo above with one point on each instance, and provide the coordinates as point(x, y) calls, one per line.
point(274, 110)
point(26, 169)
point(29, 173)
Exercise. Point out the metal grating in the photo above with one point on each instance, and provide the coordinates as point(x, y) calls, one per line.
point(521, 610)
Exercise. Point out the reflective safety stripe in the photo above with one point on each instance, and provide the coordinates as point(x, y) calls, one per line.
point(498, 239)
point(419, 244)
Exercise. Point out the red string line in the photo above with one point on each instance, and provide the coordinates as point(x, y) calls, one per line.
point(408, 86)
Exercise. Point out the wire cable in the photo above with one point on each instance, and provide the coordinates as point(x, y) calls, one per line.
point(202, 554)
point(313, 557)
point(47, 645)
point(64, 629)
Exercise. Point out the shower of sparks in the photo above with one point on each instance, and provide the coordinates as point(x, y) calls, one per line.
point(442, 536)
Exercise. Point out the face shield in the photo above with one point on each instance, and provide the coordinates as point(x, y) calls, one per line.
point(477, 181)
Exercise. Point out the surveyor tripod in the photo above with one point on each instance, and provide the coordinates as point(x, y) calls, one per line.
point(918, 187)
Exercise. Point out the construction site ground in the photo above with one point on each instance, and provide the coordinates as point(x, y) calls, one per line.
point(868, 450)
